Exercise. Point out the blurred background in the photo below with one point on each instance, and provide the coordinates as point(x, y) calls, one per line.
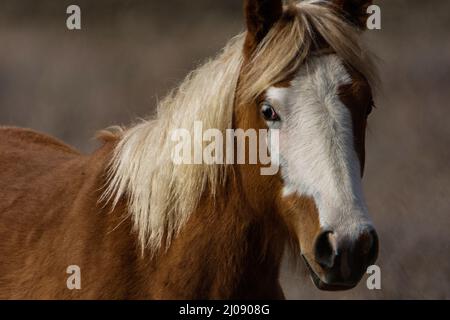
point(130, 53)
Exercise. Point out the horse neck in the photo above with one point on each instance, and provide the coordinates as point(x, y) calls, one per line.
point(225, 250)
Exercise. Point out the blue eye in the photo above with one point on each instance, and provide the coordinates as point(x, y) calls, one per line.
point(269, 112)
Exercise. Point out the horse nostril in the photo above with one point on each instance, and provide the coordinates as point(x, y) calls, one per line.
point(373, 252)
point(369, 245)
point(325, 249)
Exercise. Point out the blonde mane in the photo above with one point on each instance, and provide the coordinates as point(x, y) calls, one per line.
point(161, 195)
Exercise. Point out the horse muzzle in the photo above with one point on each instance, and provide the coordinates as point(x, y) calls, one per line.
point(339, 263)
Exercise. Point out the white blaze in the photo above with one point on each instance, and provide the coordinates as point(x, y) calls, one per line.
point(317, 154)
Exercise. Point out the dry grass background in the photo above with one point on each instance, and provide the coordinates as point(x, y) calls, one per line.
point(129, 53)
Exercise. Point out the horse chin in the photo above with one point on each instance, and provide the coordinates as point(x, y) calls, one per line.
point(322, 285)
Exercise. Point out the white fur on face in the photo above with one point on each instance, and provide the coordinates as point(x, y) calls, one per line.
point(317, 154)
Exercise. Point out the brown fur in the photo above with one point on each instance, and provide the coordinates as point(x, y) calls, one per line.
point(51, 219)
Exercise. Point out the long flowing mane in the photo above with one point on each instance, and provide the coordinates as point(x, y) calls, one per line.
point(162, 195)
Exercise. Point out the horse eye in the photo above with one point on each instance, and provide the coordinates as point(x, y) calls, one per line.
point(269, 112)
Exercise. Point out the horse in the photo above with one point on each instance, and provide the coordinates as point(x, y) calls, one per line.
point(135, 225)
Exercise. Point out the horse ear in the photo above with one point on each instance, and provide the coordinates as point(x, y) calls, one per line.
point(260, 16)
point(355, 11)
